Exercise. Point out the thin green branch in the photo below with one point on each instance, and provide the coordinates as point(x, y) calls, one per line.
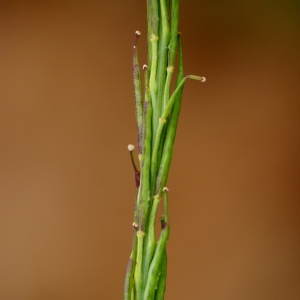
point(138, 269)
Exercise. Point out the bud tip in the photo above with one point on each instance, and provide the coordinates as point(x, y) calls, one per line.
point(130, 147)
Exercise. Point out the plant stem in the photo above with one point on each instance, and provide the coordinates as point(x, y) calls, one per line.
point(138, 269)
point(157, 120)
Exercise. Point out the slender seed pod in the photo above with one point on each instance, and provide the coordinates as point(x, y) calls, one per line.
point(150, 241)
point(130, 269)
point(154, 20)
point(161, 285)
point(149, 16)
point(172, 50)
point(172, 127)
point(162, 122)
point(174, 32)
point(155, 267)
point(167, 155)
point(162, 57)
point(137, 91)
point(144, 199)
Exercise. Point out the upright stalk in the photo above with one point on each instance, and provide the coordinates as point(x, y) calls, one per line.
point(157, 119)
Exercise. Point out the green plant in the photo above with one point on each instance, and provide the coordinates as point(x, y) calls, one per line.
point(157, 117)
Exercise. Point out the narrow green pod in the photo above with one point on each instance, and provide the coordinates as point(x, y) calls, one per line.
point(162, 122)
point(164, 40)
point(172, 50)
point(170, 71)
point(161, 285)
point(137, 91)
point(128, 280)
point(174, 32)
point(173, 98)
point(155, 267)
point(150, 240)
point(172, 128)
point(153, 80)
point(149, 15)
point(153, 16)
point(154, 159)
point(130, 269)
point(144, 199)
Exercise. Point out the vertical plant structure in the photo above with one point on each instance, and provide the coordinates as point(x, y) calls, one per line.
point(157, 109)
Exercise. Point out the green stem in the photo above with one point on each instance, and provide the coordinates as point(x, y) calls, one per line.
point(138, 269)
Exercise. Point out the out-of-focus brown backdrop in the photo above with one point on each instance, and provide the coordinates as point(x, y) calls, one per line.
point(67, 115)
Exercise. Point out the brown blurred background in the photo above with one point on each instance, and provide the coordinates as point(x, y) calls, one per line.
point(66, 183)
